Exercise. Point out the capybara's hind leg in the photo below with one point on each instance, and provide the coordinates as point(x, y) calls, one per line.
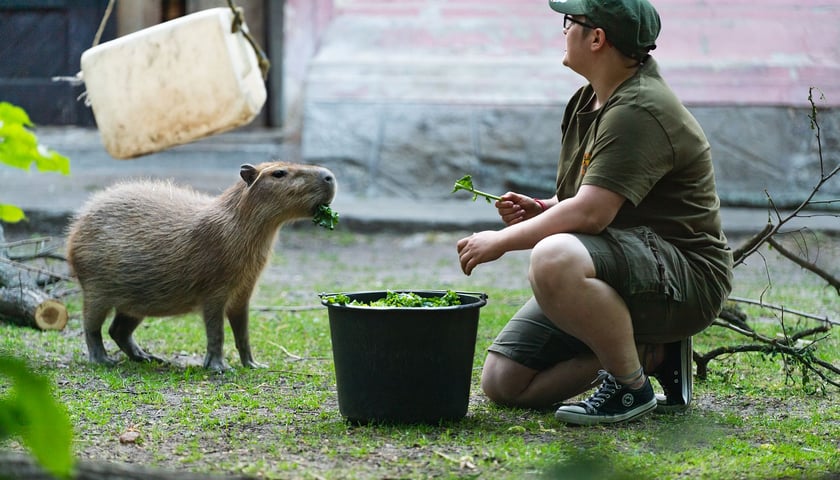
point(121, 331)
point(94, 317)
point(214, 325)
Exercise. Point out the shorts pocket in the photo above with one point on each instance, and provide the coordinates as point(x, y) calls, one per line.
point(649, 263)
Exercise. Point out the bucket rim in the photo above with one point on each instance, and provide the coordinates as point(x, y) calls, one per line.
point(480, 296)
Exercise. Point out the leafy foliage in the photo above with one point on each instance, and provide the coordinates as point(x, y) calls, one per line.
point(466, 183)
point(399, 299)
point(30, 412)
point(19, 148)
point(325, 217)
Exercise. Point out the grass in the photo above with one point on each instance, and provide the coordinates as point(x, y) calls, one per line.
point(749, 421)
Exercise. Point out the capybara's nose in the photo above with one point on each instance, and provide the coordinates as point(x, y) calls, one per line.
point(327, 176)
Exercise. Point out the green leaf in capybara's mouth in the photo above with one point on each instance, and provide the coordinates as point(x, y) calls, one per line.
point(325, 217)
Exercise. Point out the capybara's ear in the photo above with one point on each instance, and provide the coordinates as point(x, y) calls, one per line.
point(248, 173)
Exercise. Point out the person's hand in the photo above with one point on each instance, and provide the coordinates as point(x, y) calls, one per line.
point(478, 248)
point(514, 208)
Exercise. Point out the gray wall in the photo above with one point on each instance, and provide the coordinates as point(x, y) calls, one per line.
point(419, 150)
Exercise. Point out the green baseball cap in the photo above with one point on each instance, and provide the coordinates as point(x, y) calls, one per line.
point(631, 25)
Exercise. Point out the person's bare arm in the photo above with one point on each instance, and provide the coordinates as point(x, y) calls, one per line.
point(591, 210)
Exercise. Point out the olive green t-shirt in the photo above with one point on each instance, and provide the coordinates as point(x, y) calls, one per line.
point(646, 146)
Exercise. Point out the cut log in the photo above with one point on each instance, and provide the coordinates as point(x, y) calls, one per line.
point(31, 307)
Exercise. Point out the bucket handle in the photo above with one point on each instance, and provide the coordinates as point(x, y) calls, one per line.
point(480, 295)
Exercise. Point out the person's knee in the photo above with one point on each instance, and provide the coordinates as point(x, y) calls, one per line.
point(556, 260)
point(498, 383)
point(490, 385)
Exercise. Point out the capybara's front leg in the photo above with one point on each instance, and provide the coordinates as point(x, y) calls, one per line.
point(238, 318)
point(214, 326)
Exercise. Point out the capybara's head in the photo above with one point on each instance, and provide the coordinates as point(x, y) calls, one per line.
point(286, 191)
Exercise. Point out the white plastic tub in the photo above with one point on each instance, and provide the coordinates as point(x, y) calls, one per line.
point(172, 83)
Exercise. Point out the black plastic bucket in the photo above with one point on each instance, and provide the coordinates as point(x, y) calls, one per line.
point(400, 364)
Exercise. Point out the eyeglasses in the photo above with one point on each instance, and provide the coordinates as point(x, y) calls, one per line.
point(568, 21)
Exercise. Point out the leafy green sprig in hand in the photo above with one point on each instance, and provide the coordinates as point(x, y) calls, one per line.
point(325, 217)
point(466, 183)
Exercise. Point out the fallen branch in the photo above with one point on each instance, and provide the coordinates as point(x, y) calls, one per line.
point(52, 276)
point(29, 241)
point(780, 308)
point(771, 229)
point(22, 302)
point(789, 346)
point(832, 280)
point(804, 358)
point(751, 245)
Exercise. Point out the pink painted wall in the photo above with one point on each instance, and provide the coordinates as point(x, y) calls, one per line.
point(305, 22)
point(748, 52)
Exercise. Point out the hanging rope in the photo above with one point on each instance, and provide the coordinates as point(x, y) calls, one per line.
point(102, 23)
point(77, 79)
point(236, 26)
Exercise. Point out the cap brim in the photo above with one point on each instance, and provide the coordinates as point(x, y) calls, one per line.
point(569, 7)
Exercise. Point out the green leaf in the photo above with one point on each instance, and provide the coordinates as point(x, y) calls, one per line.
point(325, 217)
point(13, 114)
point(11, 214)
point(466, 183)
point(31, 412)
point(19, 147)
point(399, 299)
point(53, 162)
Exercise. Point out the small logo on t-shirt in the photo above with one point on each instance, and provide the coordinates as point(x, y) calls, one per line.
point(584, 165)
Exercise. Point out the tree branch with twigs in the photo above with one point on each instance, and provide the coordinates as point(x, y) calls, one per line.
point(796, 348)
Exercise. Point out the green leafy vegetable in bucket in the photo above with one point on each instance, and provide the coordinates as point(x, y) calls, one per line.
point(325, 217)
point(399, 299)
point(466, 183)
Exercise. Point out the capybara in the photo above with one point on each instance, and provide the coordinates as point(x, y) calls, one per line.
point(152, 248)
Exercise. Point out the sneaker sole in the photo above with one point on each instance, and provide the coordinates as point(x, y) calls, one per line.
point(584, 419)
point(664, 408)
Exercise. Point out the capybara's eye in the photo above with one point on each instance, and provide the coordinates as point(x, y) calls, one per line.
point(278, 173)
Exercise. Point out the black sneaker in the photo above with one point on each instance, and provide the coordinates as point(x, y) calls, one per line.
point(612, 402)
point(675, 377)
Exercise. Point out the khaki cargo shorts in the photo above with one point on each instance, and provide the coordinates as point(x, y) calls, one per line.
point(667, 298)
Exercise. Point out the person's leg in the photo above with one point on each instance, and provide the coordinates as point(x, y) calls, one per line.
point(508, 382)
point(563, 278)
point(533, 364)
point(565, 285)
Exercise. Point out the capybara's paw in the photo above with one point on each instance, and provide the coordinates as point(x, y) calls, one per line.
point(254, 364)
point(102, 359)
point(144, 357)
point(215, 363)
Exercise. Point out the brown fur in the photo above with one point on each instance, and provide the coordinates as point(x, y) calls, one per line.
point(151, 248)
